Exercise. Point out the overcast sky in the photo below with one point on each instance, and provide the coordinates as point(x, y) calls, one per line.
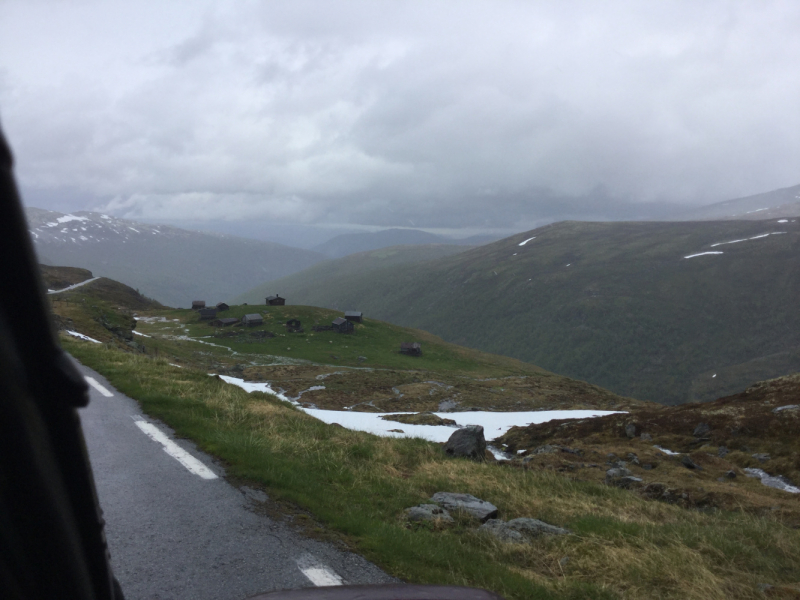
point(454, 115)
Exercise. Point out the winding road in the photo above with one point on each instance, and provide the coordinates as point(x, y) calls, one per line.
point(177, 529)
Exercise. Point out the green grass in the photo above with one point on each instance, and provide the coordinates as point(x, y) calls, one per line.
point(358, 485)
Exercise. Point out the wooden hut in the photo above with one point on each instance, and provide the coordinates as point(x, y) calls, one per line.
point(294, 326)
point(411, 348)
point(252, 320)
point(222, 306)
point(276, 300)
point(207, 313)
point(342, 325)
point(355, 316)
point(227, 322)
point(198, 304)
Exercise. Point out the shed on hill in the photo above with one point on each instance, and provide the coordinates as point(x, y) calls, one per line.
point(355, 316)
point(226, 322)
point(207, 313)
point(294, 326)
point(411, 348)
point(198, 304)
point(276, 300)
point(252, 320)
point(222, 306)
point(342, 325)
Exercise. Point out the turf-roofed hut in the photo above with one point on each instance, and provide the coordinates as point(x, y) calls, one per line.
point(198, 304)
point(356, 316)
point(222, 306)
point(276, 300)
point(411, 348)
point(252, 319)
point(207, 313)
point(226, 322)
point(342, 325)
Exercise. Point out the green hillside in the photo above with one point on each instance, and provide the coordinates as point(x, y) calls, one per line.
point(314, 279)
point(616, 304)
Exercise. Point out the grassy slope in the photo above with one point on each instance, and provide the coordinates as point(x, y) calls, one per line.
point(629, 313)
point(339, 271)
point(358, 485)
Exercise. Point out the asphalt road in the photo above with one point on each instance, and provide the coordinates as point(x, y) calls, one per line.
point(177, 529)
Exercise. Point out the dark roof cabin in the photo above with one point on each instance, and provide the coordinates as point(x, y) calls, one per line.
point(207, 313)
point(354, 315)
point(294, 326)
point(222, 306)
point(252, 320)
point(276, 300)
point(411, 348)
point(342, 325)
point(226, 322)
point(198, 304)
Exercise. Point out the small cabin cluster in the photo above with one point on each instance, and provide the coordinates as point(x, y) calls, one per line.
point(342, 325)
point(252, 319)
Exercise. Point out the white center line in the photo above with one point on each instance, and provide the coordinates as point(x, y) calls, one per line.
point(182, 456)
point(93, 382)
point(317, 573)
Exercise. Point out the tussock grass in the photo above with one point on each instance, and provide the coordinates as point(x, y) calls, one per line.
point(358, 485)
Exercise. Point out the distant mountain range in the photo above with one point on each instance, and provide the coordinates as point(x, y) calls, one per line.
point(171, 265)
point(351, 243)
point(777, 204)
point(671, 312)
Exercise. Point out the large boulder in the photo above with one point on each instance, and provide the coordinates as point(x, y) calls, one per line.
point(467, 441)
point(428, 512)
point(480, 509)
point(520, 530)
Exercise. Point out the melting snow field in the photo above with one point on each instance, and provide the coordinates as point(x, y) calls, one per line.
point(83, 337)
point(756, 237)
point(494, 423)
point(526, 241)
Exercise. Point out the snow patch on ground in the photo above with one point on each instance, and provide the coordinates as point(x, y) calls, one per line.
point(141, 334)
point(665, 451)
point(494, 423)
point(72, 287)
point(777, 482)
point(83, 337)
point(702, 254)
point(68, 218)
point(783, 221)
point(526, 241)
point(757, 237)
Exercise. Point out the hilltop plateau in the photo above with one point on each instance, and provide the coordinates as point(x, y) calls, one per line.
point(670, 312)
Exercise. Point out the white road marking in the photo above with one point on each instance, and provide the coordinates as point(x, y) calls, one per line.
point(182, 456)
point(93, 382)
point(317, 573)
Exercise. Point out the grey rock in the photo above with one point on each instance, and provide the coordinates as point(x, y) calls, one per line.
point(762, 458)
point(701, 430)
point(468, 442)
point(646, 437)
point(647, 466)
point(722, 451)
point(687, 462)
point(428, 512)
point(630, 430)
point(619, 464)
point(787, 407)
point(546, 449)
point(520, 530)
point(611, 457)
point(480, 509)
point(618, 472)
point(632, 458)
point(731, 474)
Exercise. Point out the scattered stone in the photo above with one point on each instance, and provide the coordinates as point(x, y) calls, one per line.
point(648, 466)
point(646, 437)
point(611, 457)
point(428, 512)
point(626, 482)
point(520, 530)
point(687, 462)
point(619, 464)
point(731, 474)
point(546, 449)
point(396, 431)
point(361, 359)
point(762, 458)
point(480, 509)
point(633, 459)
point(630, 430)
point(468, 442)
point(423, 418)
point(701, 430)
point(722, 451)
